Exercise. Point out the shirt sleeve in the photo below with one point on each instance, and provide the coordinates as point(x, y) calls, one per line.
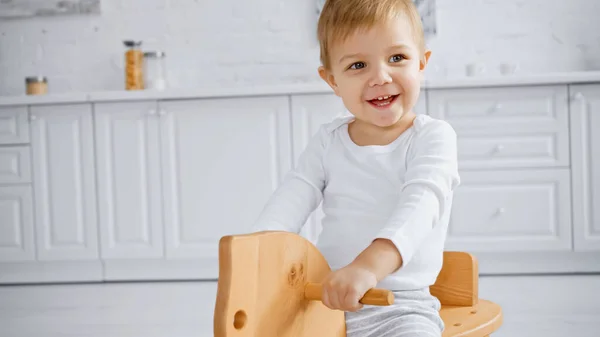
point(300, 192)
point(430, 179)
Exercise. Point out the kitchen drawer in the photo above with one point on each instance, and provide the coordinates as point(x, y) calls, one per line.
point(507, 211)
point(16, 224)
point(503, 110)
point(15, 165)
point(14, 125)
point(513, 151)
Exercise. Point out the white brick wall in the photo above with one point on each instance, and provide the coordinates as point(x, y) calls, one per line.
point(232, 42)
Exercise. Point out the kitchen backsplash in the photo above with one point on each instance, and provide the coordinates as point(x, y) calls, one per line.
point(262, 42)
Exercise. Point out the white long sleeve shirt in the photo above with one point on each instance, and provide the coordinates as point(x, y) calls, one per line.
point(401, 191)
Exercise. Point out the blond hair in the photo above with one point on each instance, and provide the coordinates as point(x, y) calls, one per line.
point(341, 18)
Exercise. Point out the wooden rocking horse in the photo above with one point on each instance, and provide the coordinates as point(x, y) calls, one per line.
point(269, 287)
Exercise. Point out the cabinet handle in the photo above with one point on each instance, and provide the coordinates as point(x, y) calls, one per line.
point(498, 148)
point(500, 211)
point(579, 96)
point(497, 106)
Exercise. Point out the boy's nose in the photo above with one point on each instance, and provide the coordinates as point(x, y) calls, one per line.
point(380, 76)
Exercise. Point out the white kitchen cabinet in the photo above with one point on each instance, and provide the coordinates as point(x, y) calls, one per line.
point(64, 180)
point(16, 224)
point(17, 233)
point(129, 182)
point(132, 186)
point(221, 161)
point(511, 211)
point(585, 147)
point(513, 208)
point(52, 215)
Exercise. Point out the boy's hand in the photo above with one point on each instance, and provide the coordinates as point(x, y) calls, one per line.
point(342, 289)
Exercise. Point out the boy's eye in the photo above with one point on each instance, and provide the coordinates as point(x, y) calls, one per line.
point(397, 58)
point(357, 65)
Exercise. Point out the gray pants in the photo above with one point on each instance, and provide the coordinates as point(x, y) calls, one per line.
point(415, 313)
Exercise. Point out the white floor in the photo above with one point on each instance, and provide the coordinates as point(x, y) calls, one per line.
point(533, 306)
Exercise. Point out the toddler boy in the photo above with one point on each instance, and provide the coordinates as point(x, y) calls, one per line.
point(385, 175)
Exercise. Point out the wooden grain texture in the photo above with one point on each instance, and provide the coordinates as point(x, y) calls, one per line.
point(262, 278)
point(457, 283)
point(479, 320)
point(269, 286)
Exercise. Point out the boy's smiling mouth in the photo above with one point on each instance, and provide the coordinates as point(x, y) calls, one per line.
point(382, 101)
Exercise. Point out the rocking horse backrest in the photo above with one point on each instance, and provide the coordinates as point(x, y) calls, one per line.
point(457, 283)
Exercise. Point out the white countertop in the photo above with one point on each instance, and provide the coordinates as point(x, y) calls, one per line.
point(309, 88)
point(513, 80)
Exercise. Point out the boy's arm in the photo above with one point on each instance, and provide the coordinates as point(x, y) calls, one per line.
point(431, 177)
point(381, 258)
point(299, 193)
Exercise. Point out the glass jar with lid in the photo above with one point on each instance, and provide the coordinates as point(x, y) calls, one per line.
point(155, 70)
point(134, 58)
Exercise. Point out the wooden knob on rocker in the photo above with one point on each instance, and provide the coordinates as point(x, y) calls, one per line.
point(313, 291)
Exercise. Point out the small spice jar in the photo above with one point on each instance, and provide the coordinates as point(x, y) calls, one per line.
point(36, 85)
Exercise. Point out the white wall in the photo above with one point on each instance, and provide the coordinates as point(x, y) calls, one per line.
point(232, 42)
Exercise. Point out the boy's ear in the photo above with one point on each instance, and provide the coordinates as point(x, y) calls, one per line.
point(424, 60)
point(327, 76)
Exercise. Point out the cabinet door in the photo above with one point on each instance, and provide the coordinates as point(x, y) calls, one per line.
point(585, 148)
point(221, 161)
point(129, 191)
point(16, 224)
point(15, 165)
point(64, 182)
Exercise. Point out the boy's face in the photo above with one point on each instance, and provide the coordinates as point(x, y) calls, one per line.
point(383, 62)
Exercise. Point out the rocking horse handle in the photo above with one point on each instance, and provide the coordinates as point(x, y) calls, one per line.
point(313, 291)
